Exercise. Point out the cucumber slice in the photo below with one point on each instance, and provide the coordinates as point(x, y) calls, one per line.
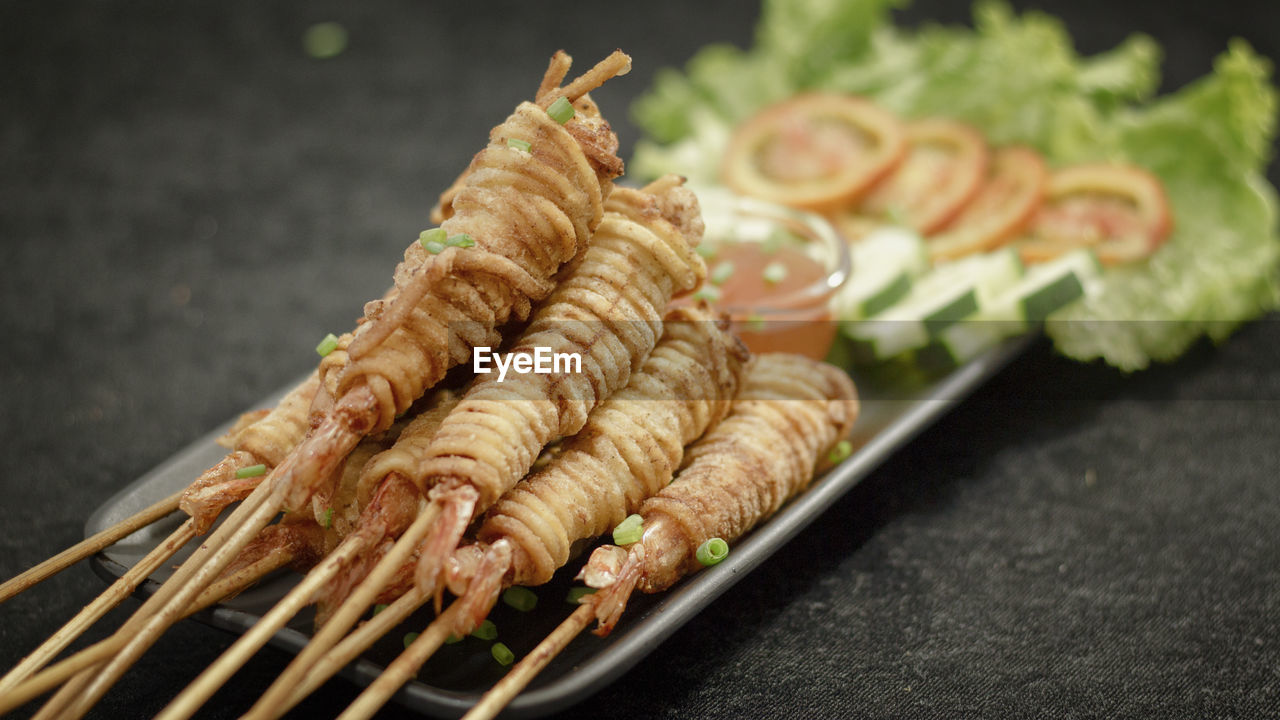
point(940, 299)
point(885, 265)
point(1046, 288)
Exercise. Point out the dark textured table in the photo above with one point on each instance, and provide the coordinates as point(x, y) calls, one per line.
point(188, 202)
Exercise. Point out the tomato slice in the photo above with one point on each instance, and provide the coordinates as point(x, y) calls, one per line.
point(1118, 210)
point(1004, 206)
point(942, 171)
point(817, 151)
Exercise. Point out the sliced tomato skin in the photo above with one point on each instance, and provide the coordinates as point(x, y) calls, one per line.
point(929, 209)
point(1003, 208)
point(741, 171)
point(1103, 186)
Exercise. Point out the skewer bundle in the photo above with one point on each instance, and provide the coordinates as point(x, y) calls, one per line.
point(379, 479)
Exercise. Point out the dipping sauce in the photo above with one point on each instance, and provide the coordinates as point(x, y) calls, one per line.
point(768, 292)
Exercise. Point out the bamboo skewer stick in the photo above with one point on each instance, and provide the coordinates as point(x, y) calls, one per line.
point(89, 546)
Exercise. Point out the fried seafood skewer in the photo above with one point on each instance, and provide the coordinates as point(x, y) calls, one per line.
point(607, 312)
point(523, 214)
point(258, 438)
point(789, 414)
point(629, 448)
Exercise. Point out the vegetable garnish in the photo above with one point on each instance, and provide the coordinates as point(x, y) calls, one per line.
point(774, 273)
point(561, 111)
point(486, 630)
point(629, 531)
point(710, 293)
point(721, 273)
point(327, 345)
point(519, 144)
point(840, 452)
point(251, 471)
point(1020, 82)
point(575, 594)
point(379, 608)
point(502, 654)
point(433, 240)
point(519, 597)
point(712, 551)
point(328, 518)
point(408, 639)
point(461, 240)
point(325, 40)
point(452, 639)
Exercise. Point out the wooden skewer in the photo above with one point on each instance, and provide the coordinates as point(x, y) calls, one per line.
point(500, 695)
point(34, 683)
point(89, 546)
point(114, 595)
point(404, 667)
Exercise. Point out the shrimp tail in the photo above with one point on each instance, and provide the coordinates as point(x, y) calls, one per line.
point(614, 573)
point(457, 503)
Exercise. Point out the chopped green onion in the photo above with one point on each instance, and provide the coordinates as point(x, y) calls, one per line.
point(485, 631)
point(897, 215)
point(707, 251)
point(251, 471)
point(379, 608)
point(324, 40)
point(710, 293)
point(461, 240)
point(561, 110)
point(629, 530)
point(774, 273)
point(520, 598)
point(774, 242)
point(721, 273)
point(328, 518)
point(842, 450)
point(433, 247)
point(502, 654)
point(577, 593)
point(408, 639)
point(327, 345)
point(755, 321)
point(712, 551)
point(519, 144)
point(452, 639)
point(434, 235)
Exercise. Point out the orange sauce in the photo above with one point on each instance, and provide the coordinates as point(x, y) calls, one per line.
point(768, 296)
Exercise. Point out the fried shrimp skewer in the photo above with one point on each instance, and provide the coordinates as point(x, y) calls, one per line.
point(522, 215)
point(608, 312)
point(262, 437)
point(790, 412)
point(629, 448)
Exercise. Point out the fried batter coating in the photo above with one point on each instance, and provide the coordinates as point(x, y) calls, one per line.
point(629, 449)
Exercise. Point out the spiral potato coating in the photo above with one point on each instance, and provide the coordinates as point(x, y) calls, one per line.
point(529, 213)
point(608, 312)
point(629, 449)
point(790, 412)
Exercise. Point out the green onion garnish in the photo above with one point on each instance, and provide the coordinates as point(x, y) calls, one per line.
point(774, 273)
point(324, 40)
point(710, 293)
point(712, 551)
point(842, 450)
point(328, 518)
point(774, 242)
point(519, 144)
point(629, 530)
point(408, 639)
point(755, 321)
point(379, 608)
point(251, 471)
point(721, 273)
point(461, 240)
point(327, 345)
point(485, 631)
point(452, 639)
point(706, 250)
point(435, 236)
point(577, 593)
point(433, 247)
point(502, 654)
point(520, 598)
point(561, 111)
